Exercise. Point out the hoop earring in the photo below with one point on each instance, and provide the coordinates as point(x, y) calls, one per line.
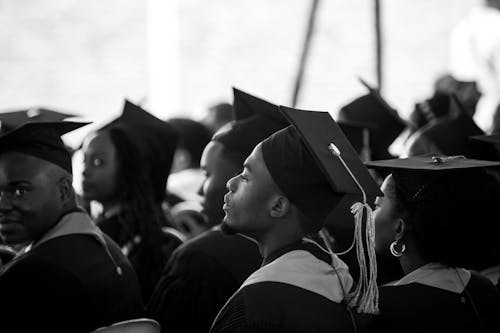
point(395, 252)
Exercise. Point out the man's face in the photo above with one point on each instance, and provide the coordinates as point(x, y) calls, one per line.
point(218, 169)
point(30, 199)
point(100, 168)
point(248, 202)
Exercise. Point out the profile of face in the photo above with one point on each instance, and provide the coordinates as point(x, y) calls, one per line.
point(388, 222)
point(32, 197)
point(250, 200)
point(100, 168)
point(218, 169)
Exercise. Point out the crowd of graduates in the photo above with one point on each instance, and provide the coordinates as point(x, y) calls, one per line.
point(258, 218)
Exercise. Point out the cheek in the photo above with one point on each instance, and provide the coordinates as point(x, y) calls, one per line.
point(384, 234)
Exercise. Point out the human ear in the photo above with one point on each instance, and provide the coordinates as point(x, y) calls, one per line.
point(401, 229)
point(65, 187)
point(279, 206)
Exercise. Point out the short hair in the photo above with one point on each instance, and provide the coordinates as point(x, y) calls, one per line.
point(452, 215)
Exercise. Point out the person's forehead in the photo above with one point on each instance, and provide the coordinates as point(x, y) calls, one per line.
point(18, 166)
point(100, 141)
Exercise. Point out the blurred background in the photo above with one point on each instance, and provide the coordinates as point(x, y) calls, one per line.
point(179, 57)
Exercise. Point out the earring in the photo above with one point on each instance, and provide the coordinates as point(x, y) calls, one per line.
point(395, 252)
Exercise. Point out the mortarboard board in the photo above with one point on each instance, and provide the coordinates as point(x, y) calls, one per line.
point(155, 139)
point(41, 140)
point(254, 120)
point(315, 166)
point(13, 119)
point(374, 110)
point(449, 135)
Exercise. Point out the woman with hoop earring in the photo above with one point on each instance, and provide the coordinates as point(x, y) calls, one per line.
point(438, 218)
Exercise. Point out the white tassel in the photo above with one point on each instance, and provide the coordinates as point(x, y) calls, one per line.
point(365, 296)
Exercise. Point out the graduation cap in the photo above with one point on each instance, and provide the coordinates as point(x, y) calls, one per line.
point(374, 110)
point(155, 139)
point(41, 140)
point(254, 120)
point(315, 166)
point(13, 119)
point(449, 135)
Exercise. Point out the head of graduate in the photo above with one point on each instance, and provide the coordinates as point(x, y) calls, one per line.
point(35, 180)
point(439, 209)
point(254, 120)
point(291, 181)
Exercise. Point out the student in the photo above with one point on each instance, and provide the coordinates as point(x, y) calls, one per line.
point(290, 183)
point(207, 270)
point(71, 277)
point(437, 217)
point(126, 168)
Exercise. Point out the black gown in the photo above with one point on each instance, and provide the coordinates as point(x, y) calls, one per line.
point(416, 307)
point(148, 257)
point(201, 276)
point(296, 290)
point(69, 283)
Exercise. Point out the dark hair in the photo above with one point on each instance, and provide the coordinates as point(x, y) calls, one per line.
point(452, 215)
point(193, 136)
point(141, 214)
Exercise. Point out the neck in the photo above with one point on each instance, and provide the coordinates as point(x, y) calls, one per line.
point(278, 239)
point(411, 261)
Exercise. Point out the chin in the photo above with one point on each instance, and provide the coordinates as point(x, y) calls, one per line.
point(227, 229)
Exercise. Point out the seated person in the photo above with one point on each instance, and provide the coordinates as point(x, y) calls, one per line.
point(289, 184)
point(71, 277)
point(119, 173)
point(437, 217)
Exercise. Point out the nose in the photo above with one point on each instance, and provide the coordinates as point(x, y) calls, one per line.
point(231, 184)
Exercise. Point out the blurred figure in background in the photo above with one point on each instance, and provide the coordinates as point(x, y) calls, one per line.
point(475, 57)
point(126, 166)
point(218, 115)
point(208, 269)
point(186, 176)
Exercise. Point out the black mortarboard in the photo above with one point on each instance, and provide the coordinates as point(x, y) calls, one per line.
point(301, 163)
point(315, 166)
point(41, 140)
point(374, 110)
point(155, 139)
point(13, 119)
point(449, 135)
point(254, 120)
point(413, 172)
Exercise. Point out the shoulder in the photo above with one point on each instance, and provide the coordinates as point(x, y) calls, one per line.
point(291, 306)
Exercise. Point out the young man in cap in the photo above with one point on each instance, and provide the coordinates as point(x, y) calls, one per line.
point(70, 277)
point(289, 184)
point(207, 270)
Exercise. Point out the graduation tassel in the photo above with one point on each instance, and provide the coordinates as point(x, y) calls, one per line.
point(365, 296)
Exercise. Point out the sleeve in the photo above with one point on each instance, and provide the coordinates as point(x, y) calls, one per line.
point(192, 290)
point(37, 296)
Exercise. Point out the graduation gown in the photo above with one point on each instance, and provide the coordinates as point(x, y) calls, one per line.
point(148, 257)
point(300, 288)
point(200, 277)
point(435, 298)
point(74, 279)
